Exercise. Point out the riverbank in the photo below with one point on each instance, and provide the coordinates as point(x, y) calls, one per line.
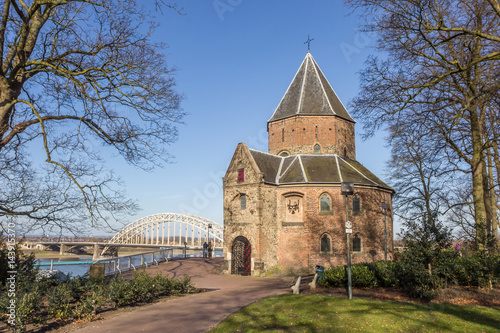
point(39, 254)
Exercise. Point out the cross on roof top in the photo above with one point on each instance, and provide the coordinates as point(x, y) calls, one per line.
point(308, 42)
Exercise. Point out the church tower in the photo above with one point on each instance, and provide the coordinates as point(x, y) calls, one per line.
point(310, 118)
point(283, 209)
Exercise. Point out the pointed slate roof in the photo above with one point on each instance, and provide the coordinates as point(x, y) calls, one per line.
point(313, 169)
point(310, 94)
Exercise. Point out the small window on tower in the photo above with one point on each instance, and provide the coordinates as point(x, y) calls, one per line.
point(283, 135)
point(345, 152)
point(317, 149)
point(241, 175)
point(316, 132)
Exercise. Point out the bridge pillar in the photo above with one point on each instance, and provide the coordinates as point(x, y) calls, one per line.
point(97, 252)
point(62, 249)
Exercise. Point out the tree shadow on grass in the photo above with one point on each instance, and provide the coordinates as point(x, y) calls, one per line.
point(297, 313)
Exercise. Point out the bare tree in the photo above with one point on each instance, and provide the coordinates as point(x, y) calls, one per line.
point(441, 72)
point(79, 79)
point(418, 171)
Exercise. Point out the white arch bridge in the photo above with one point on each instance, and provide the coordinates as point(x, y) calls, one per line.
point(169, 229)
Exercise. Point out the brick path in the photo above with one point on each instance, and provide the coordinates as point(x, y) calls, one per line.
point(193, 313)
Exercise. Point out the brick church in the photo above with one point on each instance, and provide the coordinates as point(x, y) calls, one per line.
point(283, 209)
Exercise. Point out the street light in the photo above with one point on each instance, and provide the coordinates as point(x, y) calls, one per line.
point(210, 246)
point(347, 189)
point(209, 226)
point(385, 207)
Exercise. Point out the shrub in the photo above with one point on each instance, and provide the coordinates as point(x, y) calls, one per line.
point(334, 277)
point(27, 309)
point(59, 299)
point(119, 291)
point(385, 273)
point(363, 276)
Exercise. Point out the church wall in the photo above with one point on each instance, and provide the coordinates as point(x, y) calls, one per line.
point(298, 135)
point(300, 243)
point(257, 221)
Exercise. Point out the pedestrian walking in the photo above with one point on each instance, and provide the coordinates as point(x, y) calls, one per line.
point(210, 249)
point(205, 247)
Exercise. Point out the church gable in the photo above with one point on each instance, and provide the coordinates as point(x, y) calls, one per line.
point(243, 169)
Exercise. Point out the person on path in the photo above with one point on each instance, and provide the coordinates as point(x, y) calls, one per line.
point(210, 249)
point(205, 247)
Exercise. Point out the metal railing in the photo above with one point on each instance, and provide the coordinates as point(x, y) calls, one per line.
point(132, 262)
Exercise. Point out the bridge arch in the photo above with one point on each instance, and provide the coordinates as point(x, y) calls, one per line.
point(170, 229)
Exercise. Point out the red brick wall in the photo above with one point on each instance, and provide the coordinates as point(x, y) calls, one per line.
point(284, 241)
point(299, 136)
point(300, 245)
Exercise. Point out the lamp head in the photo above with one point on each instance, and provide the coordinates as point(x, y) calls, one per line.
point(347, 188)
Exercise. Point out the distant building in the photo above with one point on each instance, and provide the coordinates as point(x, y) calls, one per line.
point(283, 209)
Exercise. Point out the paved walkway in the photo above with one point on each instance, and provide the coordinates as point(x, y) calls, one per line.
point(193, 313)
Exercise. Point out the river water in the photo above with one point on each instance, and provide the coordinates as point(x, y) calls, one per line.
point(82, 269)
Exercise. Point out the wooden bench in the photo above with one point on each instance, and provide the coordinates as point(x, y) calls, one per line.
point(303, 279)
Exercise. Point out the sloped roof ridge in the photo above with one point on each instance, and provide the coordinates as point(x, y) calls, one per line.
point(333, 90)
point(289, 86)
point(303, 170)
point(360, 172)
point(263, 152)
point(338, 168)
point(321, 84)
point(291, 163)
point(299, 104)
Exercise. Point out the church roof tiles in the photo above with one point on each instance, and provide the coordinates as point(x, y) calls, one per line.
point(310, 94)
point(313, 169)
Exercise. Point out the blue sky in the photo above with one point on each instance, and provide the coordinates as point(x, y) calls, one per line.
point(235, 60)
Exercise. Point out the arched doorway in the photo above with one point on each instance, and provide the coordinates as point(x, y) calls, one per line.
point(241, 255)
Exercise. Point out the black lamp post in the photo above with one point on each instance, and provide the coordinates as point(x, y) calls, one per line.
point(385, 207)
point(347, 189)
point(209, 226)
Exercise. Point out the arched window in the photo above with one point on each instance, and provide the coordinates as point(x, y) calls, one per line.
point(356, 204)
point(325, 243)
point(284, 154)
point(324, 203)
point(356, 244)
point(243, 201)
point(317, 149)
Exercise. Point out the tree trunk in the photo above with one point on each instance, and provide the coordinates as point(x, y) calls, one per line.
point(496, 159)
point(477, 167)
point(493, 197)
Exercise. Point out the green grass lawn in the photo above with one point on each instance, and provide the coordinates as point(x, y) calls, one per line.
point(313, 313)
